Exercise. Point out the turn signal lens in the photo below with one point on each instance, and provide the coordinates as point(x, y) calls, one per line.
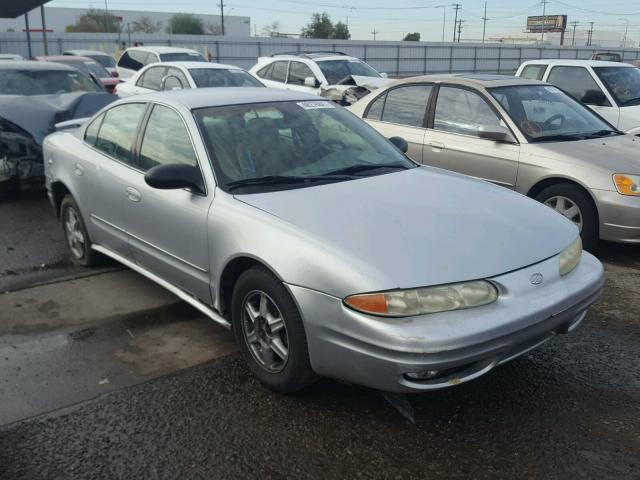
point(627, 184)
point(570, 256)
point(420, 301)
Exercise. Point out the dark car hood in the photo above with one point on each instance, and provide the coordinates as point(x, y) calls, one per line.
point(38, 114)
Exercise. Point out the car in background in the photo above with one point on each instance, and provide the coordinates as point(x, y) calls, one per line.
point(34, 97)
point(525, 135)
point(611, 89)
point(180, 75)
point(326, 250)
point(607, 56)
point(333, 75)
point(134, 58)
point(88, 66)
point(104, 59)
point(10, 56)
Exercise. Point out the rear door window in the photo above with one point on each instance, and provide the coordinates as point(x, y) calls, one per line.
point(533, 72)
point(576, 81)
point(152, 78)
point(403, 106)
point(279, 72)
point(119, 130)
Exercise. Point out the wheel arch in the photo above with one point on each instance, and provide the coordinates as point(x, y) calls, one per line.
point(58, 191)
point(550, 181)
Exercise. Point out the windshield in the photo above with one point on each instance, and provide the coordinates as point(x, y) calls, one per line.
point(182, 57)
point(44, 82)
point(545, 113)
point(104, 60)
point(336, 70)
point(88, 68)
point(272, 146)
point(215, 77)
point(622, 82)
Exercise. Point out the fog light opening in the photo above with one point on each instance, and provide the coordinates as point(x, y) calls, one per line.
point(422, 374)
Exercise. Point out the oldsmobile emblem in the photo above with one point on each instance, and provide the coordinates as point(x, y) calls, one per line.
point(536, 279)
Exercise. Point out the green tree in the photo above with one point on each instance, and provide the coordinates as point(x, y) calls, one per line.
point(319, 27)
point(412, 37)
point(341, 31)
point(185, 23)
point(96, 20)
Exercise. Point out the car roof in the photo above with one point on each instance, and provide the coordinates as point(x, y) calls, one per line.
point(86, 52)
point(472, 80)
point(190, 65)
point(313, 56)
point(33, 65)
point(577, 63)
point(218, 97)
point(163, 49)
point(66, 58)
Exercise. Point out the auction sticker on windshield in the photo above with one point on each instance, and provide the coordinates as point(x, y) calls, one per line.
point(312, 105)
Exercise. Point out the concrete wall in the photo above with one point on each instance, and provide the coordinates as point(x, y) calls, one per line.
point(395, 58)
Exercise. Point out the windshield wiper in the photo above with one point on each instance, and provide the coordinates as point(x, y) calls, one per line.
point(559, 138)
point(602, 133)
point(365, 167)
point(276, 180)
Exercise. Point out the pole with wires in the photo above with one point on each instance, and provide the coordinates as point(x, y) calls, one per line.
point(484, 22)
point(574, 24)
point(544, 19)
point(457, 7)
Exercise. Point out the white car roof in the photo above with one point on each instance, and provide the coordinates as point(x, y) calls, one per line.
point(163, 49)
point(218, 97)
point(315, 58)
point(190, 65)
point(81, 53)
point(577, 63)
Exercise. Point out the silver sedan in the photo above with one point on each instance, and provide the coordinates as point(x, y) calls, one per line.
point(325, 249)
point(522, 134)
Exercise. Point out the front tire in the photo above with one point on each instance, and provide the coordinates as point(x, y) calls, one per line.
point(574, 204)
point(269, 330)
point(75, 234)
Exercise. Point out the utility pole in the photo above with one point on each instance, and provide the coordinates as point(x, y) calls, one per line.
point(374, 32)
point(106, 16)
point(574, 24)
point(221, 5)
point(460, 22)
point(544, 19)
point(590, 34)
point(457, 7)
point(444, 17)
point(484, 22)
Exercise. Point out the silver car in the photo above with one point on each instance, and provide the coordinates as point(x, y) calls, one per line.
point(324, 248)
point(524, 135)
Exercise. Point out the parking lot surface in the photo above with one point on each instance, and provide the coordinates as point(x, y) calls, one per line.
point(570, 409)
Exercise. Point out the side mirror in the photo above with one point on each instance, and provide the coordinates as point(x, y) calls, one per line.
point(594, 97)
point(384, 75)
point(400, 143)
point(311, 82)
point(174, 176)
point(171, 82)
point(496, 134)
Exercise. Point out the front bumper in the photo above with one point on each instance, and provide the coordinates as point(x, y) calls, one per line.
point(461, 345)
point(619, 216)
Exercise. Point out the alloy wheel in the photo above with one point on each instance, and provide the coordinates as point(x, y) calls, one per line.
point(74, 233)
point(264, 331)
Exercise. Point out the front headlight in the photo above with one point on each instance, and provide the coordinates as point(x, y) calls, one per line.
point(418, 301)
point(627, 184)
point(570, 256)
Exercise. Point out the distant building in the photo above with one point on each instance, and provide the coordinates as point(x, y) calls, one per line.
point(57, 19)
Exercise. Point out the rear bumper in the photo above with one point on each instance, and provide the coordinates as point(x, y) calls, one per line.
point(619, 216)
point(459, 346)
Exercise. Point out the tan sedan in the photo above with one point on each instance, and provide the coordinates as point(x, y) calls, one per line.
point(522, 134)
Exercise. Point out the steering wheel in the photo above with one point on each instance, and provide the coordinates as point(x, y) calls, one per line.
point(549, 121)
point(319, 146)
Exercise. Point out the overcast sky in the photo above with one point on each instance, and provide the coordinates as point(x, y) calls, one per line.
point(363, 16)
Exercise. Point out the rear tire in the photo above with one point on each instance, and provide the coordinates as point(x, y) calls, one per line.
point(576, 205)
point(76, 235)
point(269, 330)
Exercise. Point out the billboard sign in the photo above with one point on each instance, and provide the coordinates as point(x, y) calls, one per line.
point(547, 23)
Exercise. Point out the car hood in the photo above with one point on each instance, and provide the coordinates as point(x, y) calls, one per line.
point(423, 226)
point(38, 114)
point(614, 154)
point(629, 118)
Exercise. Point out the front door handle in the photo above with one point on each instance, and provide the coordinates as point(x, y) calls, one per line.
point(78, 170)
point(436, 146)
point(133, 194)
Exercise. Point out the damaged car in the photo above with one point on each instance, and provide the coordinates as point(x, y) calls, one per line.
point(34, 97)
point(332, 75)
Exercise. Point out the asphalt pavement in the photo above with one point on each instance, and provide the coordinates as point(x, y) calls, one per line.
point(176, 408)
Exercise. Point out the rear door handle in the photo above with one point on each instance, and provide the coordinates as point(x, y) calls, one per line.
point(133, 194)
point(78, 170)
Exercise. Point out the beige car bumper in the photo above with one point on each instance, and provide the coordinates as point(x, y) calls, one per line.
point(619, 216)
